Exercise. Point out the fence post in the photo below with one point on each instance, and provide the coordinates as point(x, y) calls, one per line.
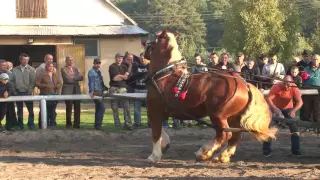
point(43, 109)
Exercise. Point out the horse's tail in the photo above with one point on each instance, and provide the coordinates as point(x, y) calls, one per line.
point(257, 116)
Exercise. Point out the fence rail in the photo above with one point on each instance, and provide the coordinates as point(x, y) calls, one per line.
point(137, 96)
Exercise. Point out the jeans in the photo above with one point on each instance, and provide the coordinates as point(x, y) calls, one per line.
point(115, 107)
point(29, 105)
point(99, 113)
point(137, 107)
point(295, 139)
point(11, 116)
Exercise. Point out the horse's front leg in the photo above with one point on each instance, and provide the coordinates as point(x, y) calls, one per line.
point(161, 140)
point(208, 149)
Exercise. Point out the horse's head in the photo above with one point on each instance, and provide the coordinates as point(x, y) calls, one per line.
point(164, 44)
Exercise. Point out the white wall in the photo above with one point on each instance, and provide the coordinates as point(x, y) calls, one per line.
point(65, 12)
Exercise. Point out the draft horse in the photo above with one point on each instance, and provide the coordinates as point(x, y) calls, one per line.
point(228, 100)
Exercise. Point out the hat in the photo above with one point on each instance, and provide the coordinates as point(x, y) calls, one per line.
point(97, 61)
point(240, 54)
point(119, 55)
point(306, 53)
point(4, 76)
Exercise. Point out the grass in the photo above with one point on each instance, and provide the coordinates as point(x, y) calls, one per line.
point(87, 117)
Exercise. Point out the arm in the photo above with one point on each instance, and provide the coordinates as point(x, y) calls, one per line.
point(66, 77)
point(78, 76)
point(297, 98)
point(59, 84)
point(270, 97)
point(13, 85)
point(32, 80)
point(282, 71)
point(91, 78)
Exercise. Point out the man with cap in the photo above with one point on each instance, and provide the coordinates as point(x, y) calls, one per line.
point(240, 63)
point(5, 91)
point(96, 86)
point(118, 75)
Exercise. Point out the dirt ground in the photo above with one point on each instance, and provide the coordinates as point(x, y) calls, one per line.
point(89, 154)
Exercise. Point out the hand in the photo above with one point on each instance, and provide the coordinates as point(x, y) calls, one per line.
point(91, 94)
point(5, 94)
point(127, 74)
point(276, 110)
point(292, 113)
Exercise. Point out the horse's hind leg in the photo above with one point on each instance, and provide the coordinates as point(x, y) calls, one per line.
point(160, 139)
point(207, 150)
point(230, 149)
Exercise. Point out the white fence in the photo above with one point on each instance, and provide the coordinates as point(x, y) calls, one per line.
point(138, 96)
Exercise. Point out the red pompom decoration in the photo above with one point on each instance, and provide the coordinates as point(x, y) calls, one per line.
point(233, 73)
point(175, 90)
point(144, 43)
point(183, 95)
point(305, 76)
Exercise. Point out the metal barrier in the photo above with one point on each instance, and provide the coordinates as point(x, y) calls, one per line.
point(138, 96)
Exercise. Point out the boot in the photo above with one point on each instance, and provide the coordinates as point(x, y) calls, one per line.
point(295, 144)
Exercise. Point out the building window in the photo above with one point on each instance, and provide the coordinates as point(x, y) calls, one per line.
point(31, 8)
point(91, 46)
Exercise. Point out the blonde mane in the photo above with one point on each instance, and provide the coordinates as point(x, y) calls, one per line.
point(175, 53)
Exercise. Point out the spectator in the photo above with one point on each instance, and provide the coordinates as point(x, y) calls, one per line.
point(263, 60)
point(225, 64)
point(199, 67)
point(96, 86)
point(214, 61)
point(250, 72)
point(240, 63)
point(118, 75)
point(139, 71)
point(295, 76)
point(273, 70)
point(294, 62)
point(5, 91)
point(306, 60)
point(285, 98)
point(311, 103)
point(41, 68)
point(11, 116)
point(71, 77)
point(23, 81)
point(49, 83)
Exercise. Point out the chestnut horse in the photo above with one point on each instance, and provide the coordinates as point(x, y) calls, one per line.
point(228, 100)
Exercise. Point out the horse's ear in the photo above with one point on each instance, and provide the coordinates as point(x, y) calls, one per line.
point(176, 35)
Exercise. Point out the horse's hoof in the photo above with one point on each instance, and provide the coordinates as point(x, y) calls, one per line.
point(165, 149)
point(153, 159)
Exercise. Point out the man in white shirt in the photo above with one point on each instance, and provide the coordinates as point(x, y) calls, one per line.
point(274, 69)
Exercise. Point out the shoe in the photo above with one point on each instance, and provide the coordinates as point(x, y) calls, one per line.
point(76, 126)
point(266, 154)
point(137, 125)
point(190, 125)
point(98, 128)
point(128, 127)
point(297, 153)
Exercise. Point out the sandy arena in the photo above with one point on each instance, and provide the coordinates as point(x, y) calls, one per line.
point(89, 154)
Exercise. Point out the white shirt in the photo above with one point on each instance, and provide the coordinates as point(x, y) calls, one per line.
point(273, 69)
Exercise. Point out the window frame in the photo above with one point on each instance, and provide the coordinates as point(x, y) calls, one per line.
point(95, 39)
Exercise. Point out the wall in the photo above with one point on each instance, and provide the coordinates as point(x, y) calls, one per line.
point(65, 12)
point(39, 40)
point(109, 47)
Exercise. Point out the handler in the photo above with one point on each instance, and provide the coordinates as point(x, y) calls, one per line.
point(280, 100)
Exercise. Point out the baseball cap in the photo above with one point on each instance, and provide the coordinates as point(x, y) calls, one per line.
point(118, 55)
point(97, 61)
point(4, 76)
point(306, 53)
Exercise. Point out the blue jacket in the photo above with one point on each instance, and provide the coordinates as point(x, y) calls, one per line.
point(95, 80)
point(314, 78)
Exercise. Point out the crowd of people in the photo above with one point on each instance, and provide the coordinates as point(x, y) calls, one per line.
point(126, 76)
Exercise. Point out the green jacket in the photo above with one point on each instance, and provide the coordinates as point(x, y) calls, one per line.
point(314, 78)
point(23, 81)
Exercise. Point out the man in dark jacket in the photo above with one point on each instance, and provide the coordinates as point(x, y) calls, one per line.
point(5, 91)
point(250, 73)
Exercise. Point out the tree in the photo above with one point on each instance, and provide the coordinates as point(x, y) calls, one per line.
point(253, 26)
